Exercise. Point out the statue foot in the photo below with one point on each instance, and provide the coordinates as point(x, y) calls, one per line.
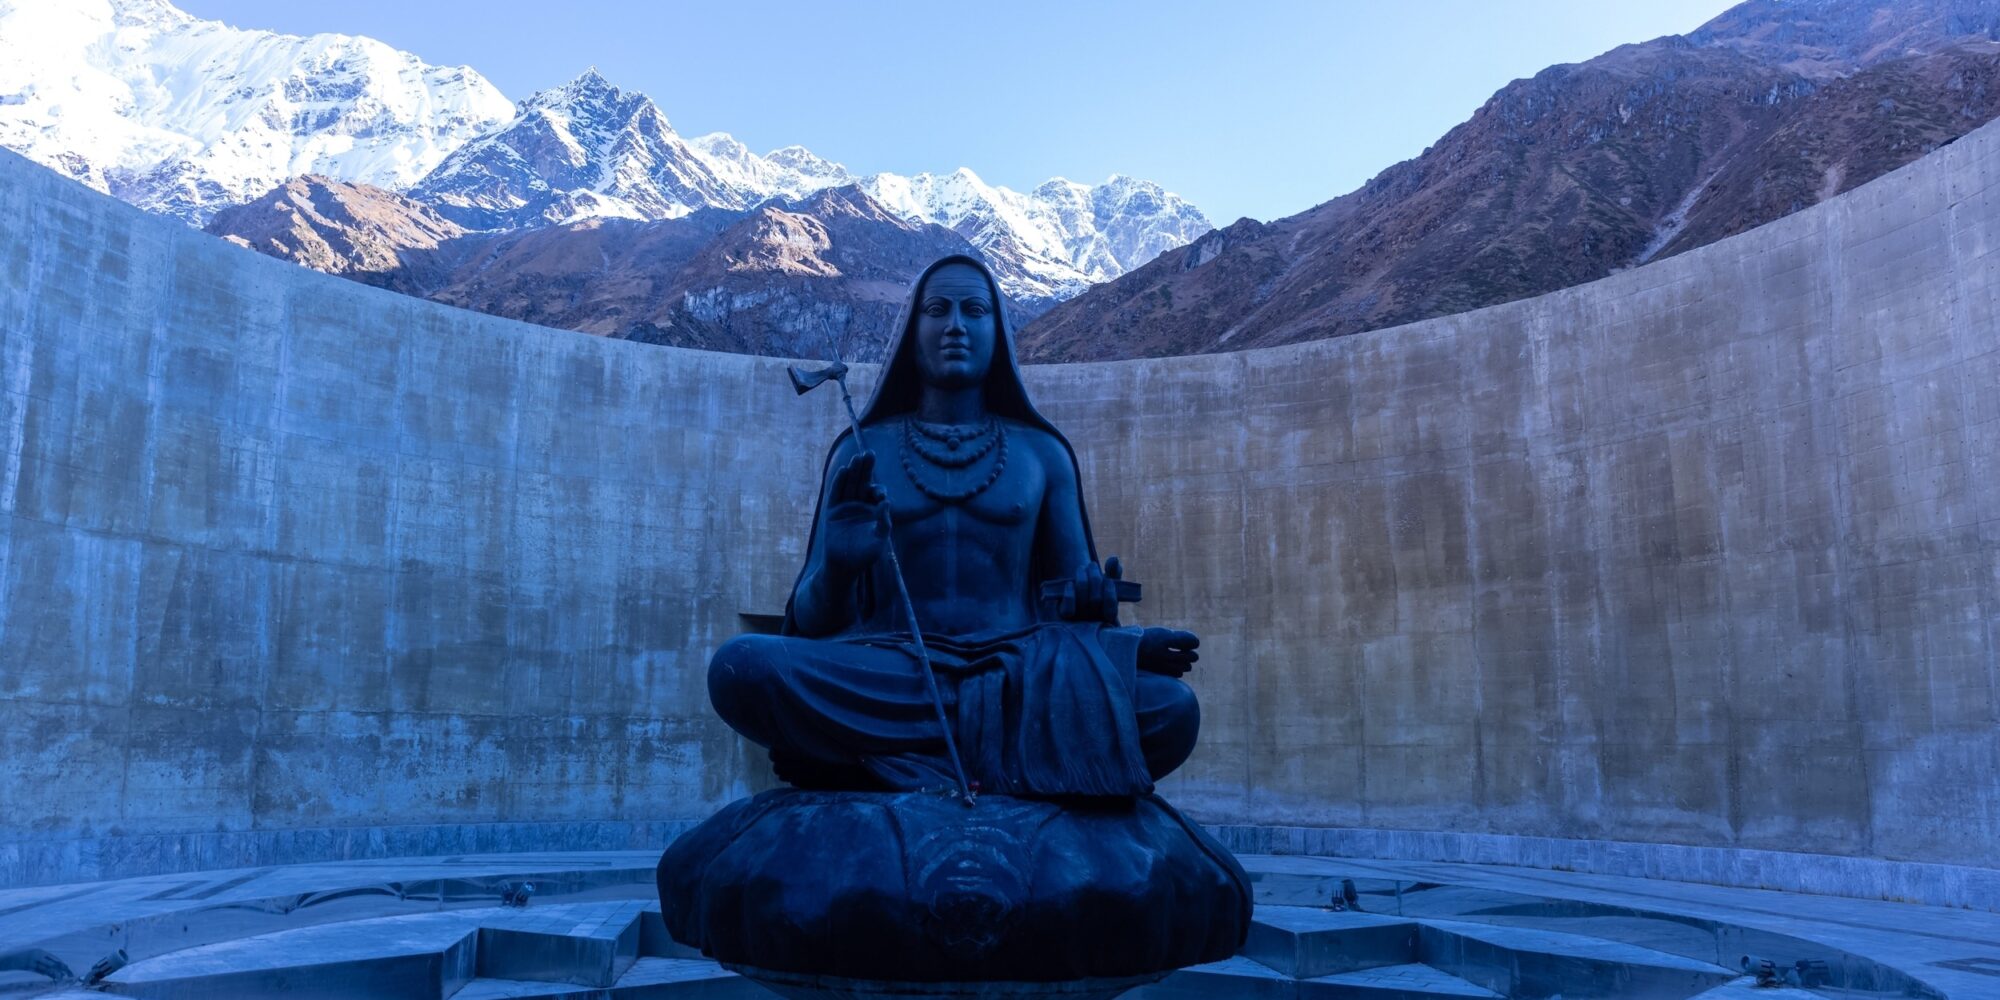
point(817, 775)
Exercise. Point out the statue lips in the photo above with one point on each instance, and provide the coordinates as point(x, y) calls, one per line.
point(957, 356)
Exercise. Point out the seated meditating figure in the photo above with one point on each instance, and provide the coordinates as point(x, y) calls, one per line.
point(1066, 875)
point(979, 495)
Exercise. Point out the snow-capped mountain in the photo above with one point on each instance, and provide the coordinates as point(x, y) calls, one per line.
point(1051, 242)
point(588, 149)
point(1119, 224)
point(791, 172)
point(184, 116)
point(579, 151)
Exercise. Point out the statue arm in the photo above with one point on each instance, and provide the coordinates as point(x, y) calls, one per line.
point(850, 508)
point(1061, 541)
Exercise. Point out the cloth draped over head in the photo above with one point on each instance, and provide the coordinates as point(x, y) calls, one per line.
point(900, 390)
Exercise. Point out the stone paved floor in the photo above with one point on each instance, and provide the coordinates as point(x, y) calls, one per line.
point(1955, 951)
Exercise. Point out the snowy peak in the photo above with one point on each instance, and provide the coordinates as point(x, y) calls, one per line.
point(1047, 244)
point(591, 97)
point(583, 150)
point(183, 116)
point(805, 162)
point(149, 14)
point(790, 172)
point(1021, 237)
point(1122, 223)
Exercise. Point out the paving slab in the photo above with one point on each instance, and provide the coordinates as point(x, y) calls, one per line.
point(1747, 989)
point(1234, 978)
point(1411, 981)
point(1537, 963)
point(1304, 942)
point(589, 944)
point(648, 979)
point(1947, 951)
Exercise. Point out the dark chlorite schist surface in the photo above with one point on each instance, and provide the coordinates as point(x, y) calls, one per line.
point(972, 808)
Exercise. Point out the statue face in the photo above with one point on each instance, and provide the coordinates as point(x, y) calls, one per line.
point(955, 327)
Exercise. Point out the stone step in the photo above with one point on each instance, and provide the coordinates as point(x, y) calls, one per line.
point(1394, 982)
point(1746, 988)
point(1230, 979)
point(1306, 942)
point(418, 956)
point(1242, 979)
point(1531, 962)
point(589, 944)
point(649, 978)
point(656, 942)
point(414, 957)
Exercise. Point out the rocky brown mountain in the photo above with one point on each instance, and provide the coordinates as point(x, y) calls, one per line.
point(804, 278)
point(1645, 151)
point(1847, 133)
point(357, 231)
point(801, 279)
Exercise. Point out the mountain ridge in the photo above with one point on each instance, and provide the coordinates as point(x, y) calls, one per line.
point(187, 117)
point(1583, 169)
point(180, 116)
point(810, 277)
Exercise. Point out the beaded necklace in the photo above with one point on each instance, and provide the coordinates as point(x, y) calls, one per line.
point(954, 436)
point(995, 435)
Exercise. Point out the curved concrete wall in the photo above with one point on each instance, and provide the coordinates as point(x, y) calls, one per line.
point(1701, 554)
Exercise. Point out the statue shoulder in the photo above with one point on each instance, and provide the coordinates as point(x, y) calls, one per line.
point(881, 434)
point(1048, 449)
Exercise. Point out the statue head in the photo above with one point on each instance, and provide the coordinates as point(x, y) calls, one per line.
point(991, 364)
point(986, 358)
point(955, 326)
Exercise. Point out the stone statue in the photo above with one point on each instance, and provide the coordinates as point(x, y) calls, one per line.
point(972, 800)
point(1049, 699)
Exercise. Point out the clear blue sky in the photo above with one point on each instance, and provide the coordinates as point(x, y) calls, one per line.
point(1246, 107)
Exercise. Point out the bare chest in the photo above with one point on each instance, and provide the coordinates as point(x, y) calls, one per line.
point(997, 490)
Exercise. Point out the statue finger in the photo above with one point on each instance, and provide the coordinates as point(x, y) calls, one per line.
point(843, 483)
point(853, 477)
point(1113, 568)
point(1185, 639)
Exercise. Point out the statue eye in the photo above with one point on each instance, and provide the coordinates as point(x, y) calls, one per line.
point(975, 309)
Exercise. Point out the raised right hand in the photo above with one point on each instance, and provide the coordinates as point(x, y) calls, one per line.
point(857, 523)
